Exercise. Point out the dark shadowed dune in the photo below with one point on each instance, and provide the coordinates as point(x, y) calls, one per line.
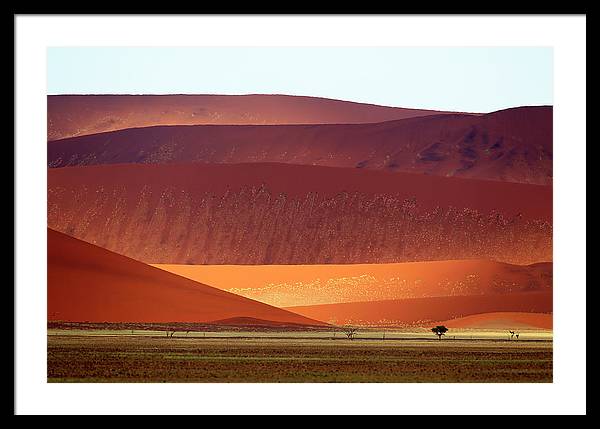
point(512, 145)
point(241, 322)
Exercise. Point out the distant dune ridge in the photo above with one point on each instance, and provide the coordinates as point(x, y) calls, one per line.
point(75, 115)
point(512, 145)
point(291, 214)
point(422, 311)
point(89, 284)
point(295, 285)
point(502, 320)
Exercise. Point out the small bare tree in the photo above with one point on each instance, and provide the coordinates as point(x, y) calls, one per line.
point(350, 332)
point(512, 334)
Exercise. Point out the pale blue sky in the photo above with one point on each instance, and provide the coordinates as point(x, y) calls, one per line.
point(459, 79)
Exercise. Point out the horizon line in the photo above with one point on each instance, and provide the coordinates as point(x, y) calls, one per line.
point(287, 95)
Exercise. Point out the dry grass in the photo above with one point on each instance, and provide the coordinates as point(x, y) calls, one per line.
point(255, 358)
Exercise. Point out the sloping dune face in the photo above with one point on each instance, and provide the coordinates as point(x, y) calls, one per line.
point(503, 320)
point(301, 285)
point(512, 145)
point(76, 115)
point(290, 214)
point(420, 311)
point(90, 284)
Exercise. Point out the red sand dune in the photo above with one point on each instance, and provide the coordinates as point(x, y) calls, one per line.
point(502, 320)
point(418, 311)
point(75, 115)
point(291, 214)
point(251, 322)
point(89, 284)
point(295, 285)
point(512, 145)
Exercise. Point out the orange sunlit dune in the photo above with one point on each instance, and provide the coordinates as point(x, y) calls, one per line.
point(503, 320)
point(293, 285)
point(421, 311)
point(89, 284)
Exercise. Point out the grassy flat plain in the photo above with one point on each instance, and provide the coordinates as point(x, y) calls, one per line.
point(237, 356)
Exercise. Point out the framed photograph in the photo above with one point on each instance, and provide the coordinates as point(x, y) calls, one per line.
point(228, 214)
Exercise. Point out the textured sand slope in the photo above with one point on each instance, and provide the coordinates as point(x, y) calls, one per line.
point(293, 285)
point(293, 214)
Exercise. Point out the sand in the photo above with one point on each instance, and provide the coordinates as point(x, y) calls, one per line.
point(294, 285)
point(419, 311)
point(294, 214)
point(511, 145)
point(73, 115)
point(502, 320)
point(89, 284)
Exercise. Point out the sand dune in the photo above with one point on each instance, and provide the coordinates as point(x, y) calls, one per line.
point(419, 311)
point(89, 284)
point(75, 115)
point(295, 285)
point(510, 145)
point(292, 214)
point(505, 320)
point(242, 322)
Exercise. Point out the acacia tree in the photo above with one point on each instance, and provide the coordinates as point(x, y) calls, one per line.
point(439, 331)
